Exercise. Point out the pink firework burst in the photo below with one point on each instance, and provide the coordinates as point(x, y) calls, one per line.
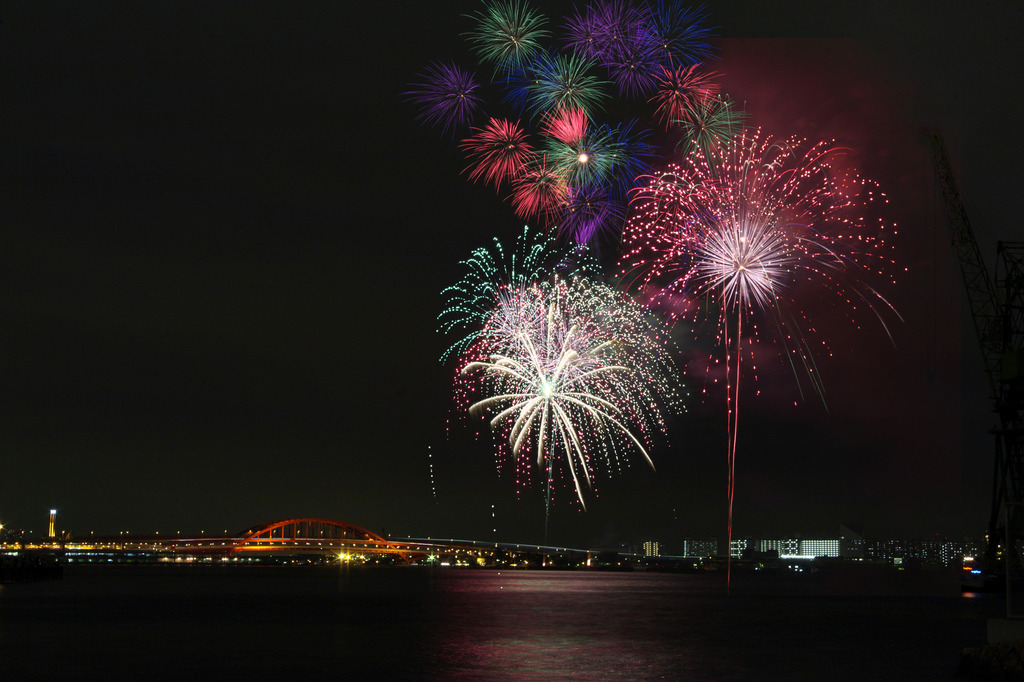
point(761, 224)
point(568, 126)
point(497, 152)
point(761, 229)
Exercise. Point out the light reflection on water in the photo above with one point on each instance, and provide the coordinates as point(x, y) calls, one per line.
point(418, 623)
point(660, 626)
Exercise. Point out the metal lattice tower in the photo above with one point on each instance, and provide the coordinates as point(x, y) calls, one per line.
point(997, 309)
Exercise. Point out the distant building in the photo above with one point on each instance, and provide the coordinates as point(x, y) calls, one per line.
point(700, 547)
point(738, 547)
point(786, 547)
point(816, 548)
point(851, 543)
point(934, 551)
point(652, 548)
point(795, 547)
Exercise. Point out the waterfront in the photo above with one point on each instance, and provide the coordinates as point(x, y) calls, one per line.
point(200, 622)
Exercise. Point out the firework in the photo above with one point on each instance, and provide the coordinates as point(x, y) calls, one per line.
point(708, 124)
point(615, 33)
point(596, 155)
point(507, 32)
point(447, 97)
point(754, 228)
point(570, 371)
point(539, 192)
point(471, 301)
point(758, 230)
point(632, 64)
point(578, 177)
point(497, 152)
point(587, 158)
point(681, 92)
point(677, 36)
point(549, 82)
point(588, 212)
point(568, 126)
point(583, 33)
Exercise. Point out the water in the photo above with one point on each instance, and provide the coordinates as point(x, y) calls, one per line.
point(166, 622)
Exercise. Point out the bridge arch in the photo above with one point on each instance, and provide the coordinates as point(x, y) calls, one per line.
point(313, 535)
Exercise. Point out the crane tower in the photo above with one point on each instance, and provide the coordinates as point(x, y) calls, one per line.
point(997, 309)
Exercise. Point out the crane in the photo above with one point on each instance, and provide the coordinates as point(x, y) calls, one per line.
point(997, 309)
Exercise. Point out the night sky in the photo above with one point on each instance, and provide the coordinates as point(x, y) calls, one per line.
point(223, 239)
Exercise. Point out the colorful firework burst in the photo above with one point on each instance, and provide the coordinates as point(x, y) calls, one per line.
point(596, 154)
point(572, 372)
point(557, 94)
point(746, 229)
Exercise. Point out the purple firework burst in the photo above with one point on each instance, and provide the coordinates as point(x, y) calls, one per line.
point(447, 96)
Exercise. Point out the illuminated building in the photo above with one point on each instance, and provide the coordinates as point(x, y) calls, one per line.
point(53, 517)
point(652, 548)
point(698, 548)
point(786, 547)
point(816, 548)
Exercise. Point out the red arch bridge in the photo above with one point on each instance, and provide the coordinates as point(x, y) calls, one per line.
point(309, 537)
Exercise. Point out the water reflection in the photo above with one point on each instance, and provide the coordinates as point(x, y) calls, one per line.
point(531, 625)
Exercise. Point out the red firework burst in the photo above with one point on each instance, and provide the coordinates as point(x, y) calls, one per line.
point(539, 192)
point(682, 91)
point(497, 152)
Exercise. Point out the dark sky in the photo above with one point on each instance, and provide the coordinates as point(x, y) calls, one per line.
point(223, 238)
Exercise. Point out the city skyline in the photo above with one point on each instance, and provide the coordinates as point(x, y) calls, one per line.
point(226, 238)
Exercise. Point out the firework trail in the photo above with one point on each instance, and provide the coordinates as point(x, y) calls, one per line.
point(569, 371)
point(759, 230)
